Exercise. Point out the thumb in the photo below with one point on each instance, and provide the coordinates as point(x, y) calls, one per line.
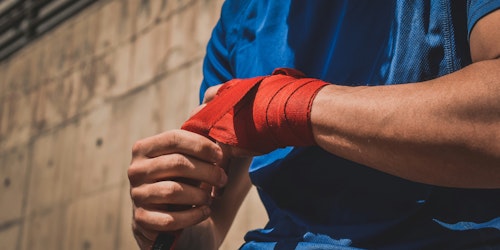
point(197, 109)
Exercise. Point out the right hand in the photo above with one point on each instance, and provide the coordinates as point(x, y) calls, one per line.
point(174, 169)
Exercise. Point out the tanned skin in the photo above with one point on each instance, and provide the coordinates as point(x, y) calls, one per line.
point(443, 132)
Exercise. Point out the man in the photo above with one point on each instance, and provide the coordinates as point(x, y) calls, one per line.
point(394, 166)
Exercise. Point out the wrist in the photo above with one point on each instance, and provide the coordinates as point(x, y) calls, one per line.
point(323, 112)
point(260, 114)
point(200, 236)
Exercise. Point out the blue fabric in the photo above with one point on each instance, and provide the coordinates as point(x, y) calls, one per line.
point(316, 200)
point(477, 9)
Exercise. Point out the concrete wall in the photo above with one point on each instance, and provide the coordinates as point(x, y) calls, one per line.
point(71, 105)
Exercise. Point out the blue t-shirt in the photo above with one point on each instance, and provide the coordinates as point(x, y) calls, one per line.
point(316, 200)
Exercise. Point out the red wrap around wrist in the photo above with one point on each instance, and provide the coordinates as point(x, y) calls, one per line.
point(260, 114)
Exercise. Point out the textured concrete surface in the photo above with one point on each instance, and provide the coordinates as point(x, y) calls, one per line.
point(73, 102)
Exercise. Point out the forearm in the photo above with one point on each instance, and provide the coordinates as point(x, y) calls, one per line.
point(225, 208)
point(200, 236)
point(444, 131)
point(210, 233)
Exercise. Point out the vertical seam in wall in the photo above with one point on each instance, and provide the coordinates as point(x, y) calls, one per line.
point(24, 219)
point(118, 240)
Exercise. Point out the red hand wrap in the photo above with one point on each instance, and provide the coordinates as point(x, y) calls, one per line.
point(260, 114)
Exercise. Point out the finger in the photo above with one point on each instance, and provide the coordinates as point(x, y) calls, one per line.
point(178, 141)
point(144, 237)
point(143, 241)
point(170, 192)
point(236, 152)
point(167, 167)
point(206, 187)
point(218, 192)
point(178, 167)
point(170, 221)
point(210, 93)
point(197, 109)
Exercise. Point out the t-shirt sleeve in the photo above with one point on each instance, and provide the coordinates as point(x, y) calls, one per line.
point(217, 63)
point(476, 9)
point(216, 67)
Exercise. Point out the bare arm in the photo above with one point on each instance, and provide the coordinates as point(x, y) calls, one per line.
point(179, 168)
point(210, 233)
point(443, 132)
point(213, 230)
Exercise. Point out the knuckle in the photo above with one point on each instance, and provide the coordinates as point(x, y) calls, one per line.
point(139, 215)
point(172, 139)
point(179, 161)
point(201, 148)
point(137, 148)
point(168, 223)
point(170, 189)
point(134, 173)
point(136, 195)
